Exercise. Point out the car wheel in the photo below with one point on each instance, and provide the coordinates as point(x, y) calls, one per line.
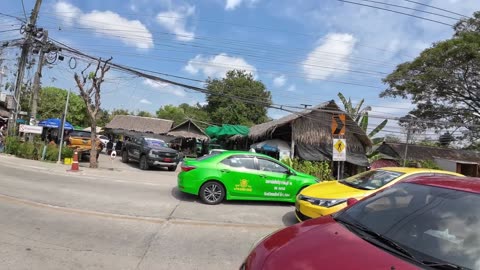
point(143, 163)
point(125, 157)
point(172, 168)
point(212, 192)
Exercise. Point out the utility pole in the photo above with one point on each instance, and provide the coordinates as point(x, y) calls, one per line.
point(36, 81)
point(29, 33)
point(62, 128)
point(406, 145)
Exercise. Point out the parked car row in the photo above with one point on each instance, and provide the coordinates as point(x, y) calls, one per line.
point(389, 218)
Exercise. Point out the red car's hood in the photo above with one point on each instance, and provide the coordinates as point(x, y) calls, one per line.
point(320, 244)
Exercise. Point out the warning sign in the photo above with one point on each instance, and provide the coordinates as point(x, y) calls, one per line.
point(339, 150)
point(338, 124)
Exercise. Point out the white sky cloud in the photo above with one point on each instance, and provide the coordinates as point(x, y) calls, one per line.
point(339, 45)
point(107, 23)
point(292, 88)
point(67, 12)
point(217, 66)
point(233, 4)
point(145, 101)
point(165, 87)
point(175, 21)
point(279, 81)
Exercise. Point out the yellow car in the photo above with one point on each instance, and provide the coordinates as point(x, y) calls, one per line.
point(328, 197)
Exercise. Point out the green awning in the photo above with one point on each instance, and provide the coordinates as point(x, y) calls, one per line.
point(226, 131)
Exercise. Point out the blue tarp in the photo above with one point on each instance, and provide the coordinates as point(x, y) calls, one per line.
point(55, 123)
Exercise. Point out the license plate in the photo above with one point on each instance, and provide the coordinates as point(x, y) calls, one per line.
point(167, 159)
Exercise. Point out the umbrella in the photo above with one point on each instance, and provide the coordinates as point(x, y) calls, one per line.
point(55, 123)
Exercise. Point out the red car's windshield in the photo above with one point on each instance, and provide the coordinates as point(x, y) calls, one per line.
point(433, 224)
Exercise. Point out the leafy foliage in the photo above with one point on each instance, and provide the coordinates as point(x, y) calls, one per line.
point(444, 82)
point(227, 99)
point(320, 169)
point(184, 111)
point(52, 105)
point(360, 115)
point(144, 114)
point(33, 150)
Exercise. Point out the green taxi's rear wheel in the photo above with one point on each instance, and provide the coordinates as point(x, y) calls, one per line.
point(212, 192)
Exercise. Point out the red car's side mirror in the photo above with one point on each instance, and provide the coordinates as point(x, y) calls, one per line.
point(351, 201)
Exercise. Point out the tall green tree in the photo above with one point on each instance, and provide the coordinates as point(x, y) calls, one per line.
point(360, 115)
point(52, 104)
point(183, 112)
point(144, 114)
point(120, 112)
point(444, 82)
point(171, 112)
point(237, 99)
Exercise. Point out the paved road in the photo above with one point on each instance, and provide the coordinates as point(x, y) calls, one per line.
point(124, 219)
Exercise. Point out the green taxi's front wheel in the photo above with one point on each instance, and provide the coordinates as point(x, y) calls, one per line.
point(212, 192)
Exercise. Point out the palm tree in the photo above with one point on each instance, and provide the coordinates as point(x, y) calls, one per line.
point(360, 115)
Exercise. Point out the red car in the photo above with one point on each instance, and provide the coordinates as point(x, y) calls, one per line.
point(423, 223)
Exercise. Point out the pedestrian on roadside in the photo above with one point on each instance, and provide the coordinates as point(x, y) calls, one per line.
point(109, 147)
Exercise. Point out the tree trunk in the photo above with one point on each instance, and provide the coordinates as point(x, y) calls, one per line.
point(93, 139)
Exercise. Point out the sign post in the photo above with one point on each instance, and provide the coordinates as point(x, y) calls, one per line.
point(113, 155)
point(30, 129)
point(339, 150)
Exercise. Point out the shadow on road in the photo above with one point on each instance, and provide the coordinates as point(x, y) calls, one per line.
point(181, 196)
point(177, 194)
point(289, 219)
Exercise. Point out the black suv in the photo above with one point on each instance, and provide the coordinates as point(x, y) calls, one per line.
point(150, 152)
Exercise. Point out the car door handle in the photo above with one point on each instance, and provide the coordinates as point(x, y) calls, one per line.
point(225, 171)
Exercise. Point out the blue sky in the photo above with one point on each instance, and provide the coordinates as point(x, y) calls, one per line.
point(304, 51)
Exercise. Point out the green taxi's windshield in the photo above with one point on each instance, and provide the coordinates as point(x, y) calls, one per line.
point(371, 180)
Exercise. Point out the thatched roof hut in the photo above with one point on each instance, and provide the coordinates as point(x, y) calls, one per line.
point(422, 152)
point(140, 124)
point(310, 133)
point(466, 162)
point(188, 129)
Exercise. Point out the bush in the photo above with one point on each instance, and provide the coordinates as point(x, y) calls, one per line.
point(67, 152)
point(319, 169)
point(12, 144)
point(51, 153)
point(33, 150)
point(26, 150)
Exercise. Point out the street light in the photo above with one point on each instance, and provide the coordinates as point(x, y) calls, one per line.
point(408, 137)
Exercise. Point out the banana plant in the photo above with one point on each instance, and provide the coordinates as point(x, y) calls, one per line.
point(360, 115)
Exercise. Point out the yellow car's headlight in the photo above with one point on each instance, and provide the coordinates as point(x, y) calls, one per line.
point(321, 202)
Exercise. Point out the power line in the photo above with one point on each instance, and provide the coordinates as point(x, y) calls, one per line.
point(422, 4)
point(11, 16)
point(242, 25)
point(266, 104)
point(242, 45)
point(414, 9)
point(24, 12)
point(275, 72)
point(395, 11)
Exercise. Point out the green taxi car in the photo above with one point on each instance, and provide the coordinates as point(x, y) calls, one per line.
point(236, 175)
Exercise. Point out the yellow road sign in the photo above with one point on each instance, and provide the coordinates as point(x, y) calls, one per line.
point(339, 150)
